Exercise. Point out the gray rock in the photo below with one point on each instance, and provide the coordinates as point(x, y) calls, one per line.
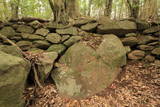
point(136, 55)
point(59, 48)
point(42, 31)
point(72, 40)
point(43, 44)
point(117, 27)
point(8, 32)
point(152, 30)
point(25, 29)
point(32, 36)
point(146, 47)
point(24, 45)
point(130, 41)
point(83, 71)
point(53, 38)
point(67, 31)
point(89, 27)
point(156, 51)
point(13, 75)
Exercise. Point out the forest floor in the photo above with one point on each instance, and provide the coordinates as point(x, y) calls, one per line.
point(138, 85)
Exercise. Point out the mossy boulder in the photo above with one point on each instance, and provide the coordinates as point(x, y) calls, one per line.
point(24, 45)
point(42, 31)
point(31, 36)
point(43, 44)
point(130, 41)
point(13, 74)
point(72, 40)
point(89, 27)
point(83, 71)
point(59, 48)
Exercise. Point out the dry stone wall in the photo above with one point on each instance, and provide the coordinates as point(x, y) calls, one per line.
point(141, 39)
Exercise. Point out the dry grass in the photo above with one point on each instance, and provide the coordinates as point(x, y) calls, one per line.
point(138, 85)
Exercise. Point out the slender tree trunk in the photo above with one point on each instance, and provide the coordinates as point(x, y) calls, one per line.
point(64, 9)
point(89, 7)
point(108, 8)
point(133, 7)
point(15, 8)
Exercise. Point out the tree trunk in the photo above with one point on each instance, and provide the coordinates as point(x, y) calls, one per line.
point(89, 7)
point(150, 10)
point(64, 9)
point(108, 8)
point(14, 9)
point(133, 7)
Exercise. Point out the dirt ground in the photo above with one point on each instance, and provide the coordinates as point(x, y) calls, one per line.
point(138, 85)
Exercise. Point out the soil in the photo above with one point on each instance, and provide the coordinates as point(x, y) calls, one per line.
point(138, 85)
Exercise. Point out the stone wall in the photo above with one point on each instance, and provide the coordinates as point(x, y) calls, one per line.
point(141, 39)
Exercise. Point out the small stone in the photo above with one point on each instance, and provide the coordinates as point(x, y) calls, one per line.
point(25, 29)
point(43, 44)
point(64, 38)
point(8, 32)
point(42, 31)
point(59, 48)
point(72, 40)
point(156, 51)
point(136, 55)
point(67, 31)
point(150, 58)
point(53, 37)
point(130, 41)
point(146, 47)
point(32, 36)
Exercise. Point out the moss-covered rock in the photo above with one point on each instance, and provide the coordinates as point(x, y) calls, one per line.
point(156, 51)
point(32, 36)
point(25, 29)
point(53, 37)
point(72, 40)
point(69, 31)
point(130, 41)
point(136, 54)
point(7, 31)
point(89, 27)
point(42, 31)
point(59, 48)
point(43, 44)
point(13, 75)
point(24, 45)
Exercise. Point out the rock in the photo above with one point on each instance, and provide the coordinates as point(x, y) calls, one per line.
point(90, 27)
point(142, 25)
point(156, 51)
point(146, 47)
point(11, 50)
point(72, 40)
point(25, 29)
point(35, 24)
point(157, 34)
point(46, 63)
point(153, 44)
point(157, 63)
point(112, 51)
point(83, 21)
point(24, 45)
point(104, 20)
point(131, 35)
point(32, 36)
point(144, 39)
point(149, 58)
point(53, 37)
point(83, 71)
point(13, 75)
point(8, 32)
point(128, 49)
point(130, 41)
point(67, 31)
point(17, 37)
point(152, 30)
point(42, 31)
point(35, 50)
point(136, 55)
point(64, 38)
point(43, 44)
point(59, 48)
point(118, 28)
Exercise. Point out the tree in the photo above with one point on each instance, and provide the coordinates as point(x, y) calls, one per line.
point(14, 8)
point(64, 9)
point(108, 8)
point(133, 6)
point(89, 7)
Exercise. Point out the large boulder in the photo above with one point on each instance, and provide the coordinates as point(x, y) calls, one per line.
point(13, 75)
point(117, 27)
point(83, 71)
